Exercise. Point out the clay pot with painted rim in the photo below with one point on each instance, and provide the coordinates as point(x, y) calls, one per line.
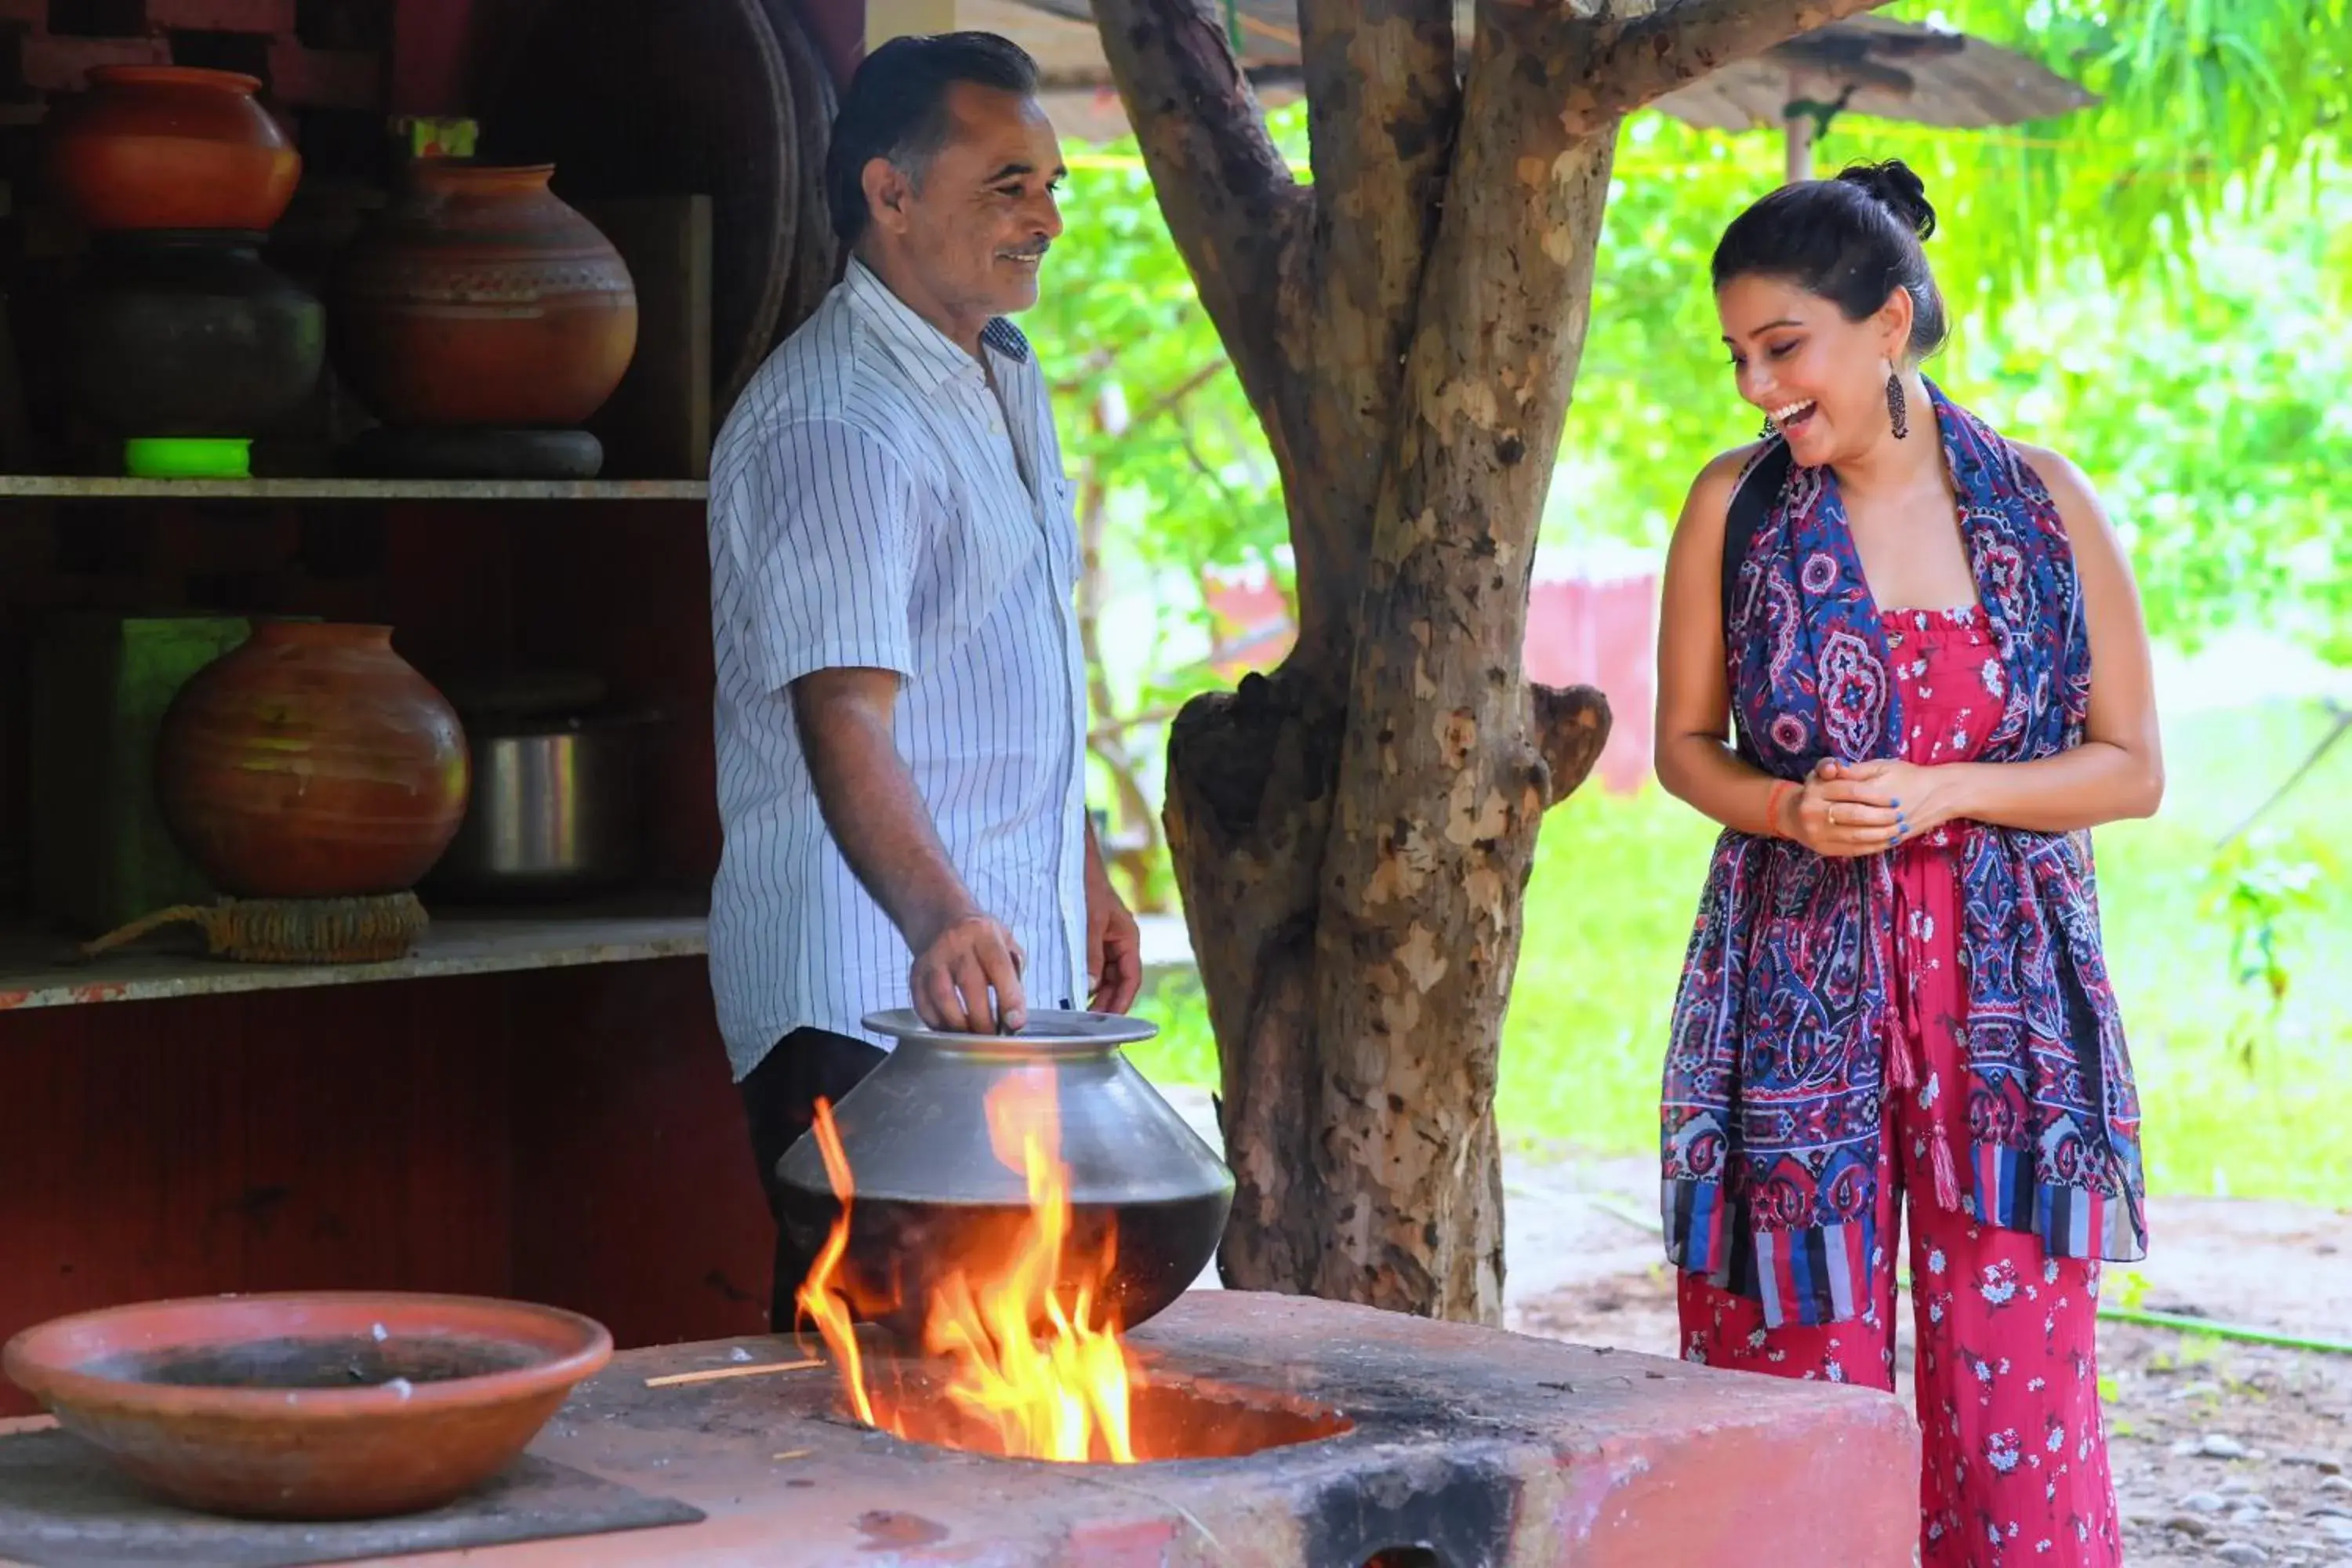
point(311, 761)
point(310, 1405)
point(169, 147)
point(480, 298)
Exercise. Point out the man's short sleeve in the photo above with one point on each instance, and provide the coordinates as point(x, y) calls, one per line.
point(817, 516)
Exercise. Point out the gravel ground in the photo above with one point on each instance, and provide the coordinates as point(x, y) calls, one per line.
point(2223, 1452)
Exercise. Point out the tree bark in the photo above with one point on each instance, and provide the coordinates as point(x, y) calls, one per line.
point(1352, 834)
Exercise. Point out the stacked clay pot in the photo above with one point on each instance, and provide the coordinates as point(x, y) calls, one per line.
point(176, 327)
point(188, 332)
point(311, 761)
point(481, 301)
point(163, 147)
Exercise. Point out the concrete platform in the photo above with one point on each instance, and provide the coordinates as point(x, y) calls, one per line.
point(1477, 1447)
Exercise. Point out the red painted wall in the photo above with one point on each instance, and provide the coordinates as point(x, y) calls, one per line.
point(1599, 631)
point(1591, 631)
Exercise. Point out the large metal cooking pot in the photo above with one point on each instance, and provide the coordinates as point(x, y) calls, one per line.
point(931, 1196)
point(553, 811)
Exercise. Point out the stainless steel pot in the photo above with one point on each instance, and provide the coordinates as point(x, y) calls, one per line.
point(553, 811)
point(931, 1196)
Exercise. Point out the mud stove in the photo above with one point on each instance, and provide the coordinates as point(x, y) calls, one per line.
point(1326, 1437)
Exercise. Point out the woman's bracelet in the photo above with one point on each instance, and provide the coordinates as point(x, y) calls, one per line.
point(1772, 809)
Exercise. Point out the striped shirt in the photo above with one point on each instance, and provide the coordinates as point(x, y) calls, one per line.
point(874, 503)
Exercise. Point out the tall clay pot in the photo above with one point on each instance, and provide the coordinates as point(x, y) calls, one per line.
point(311, 761)
point(186, 332)
point(480, 298)
point(169, 147)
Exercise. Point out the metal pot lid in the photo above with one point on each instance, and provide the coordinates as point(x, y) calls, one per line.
point(486, 728)
point(525, 693)
point(1048, 1030)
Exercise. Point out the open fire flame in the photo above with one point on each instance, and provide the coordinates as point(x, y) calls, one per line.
point(1061, 1392)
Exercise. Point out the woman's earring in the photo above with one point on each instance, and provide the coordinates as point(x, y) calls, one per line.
point(1897, 407)
point(1768, 431)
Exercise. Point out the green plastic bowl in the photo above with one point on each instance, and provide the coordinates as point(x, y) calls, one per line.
point(188, 458)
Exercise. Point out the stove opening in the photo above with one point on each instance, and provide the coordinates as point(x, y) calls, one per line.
point(1171, 1418)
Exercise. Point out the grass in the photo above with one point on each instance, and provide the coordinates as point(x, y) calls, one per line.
point(1617, 879)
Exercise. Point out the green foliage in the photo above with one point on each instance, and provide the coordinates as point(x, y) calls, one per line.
point(2204, 108)
point(2209, 417)
point(1171, 463)
point(2207, 412)
point(1584, 1040)
point(2264, 887)
point(1185, 1049)
point(1150, 408)
point(1654, 391)
point(2156, 286)
point(2212, 423)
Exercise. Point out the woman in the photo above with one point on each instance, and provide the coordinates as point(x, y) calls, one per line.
point(1896, 986)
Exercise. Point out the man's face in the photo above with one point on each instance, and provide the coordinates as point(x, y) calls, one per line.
point(976, 223)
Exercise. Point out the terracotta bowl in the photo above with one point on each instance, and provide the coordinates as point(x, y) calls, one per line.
point(311, 1406)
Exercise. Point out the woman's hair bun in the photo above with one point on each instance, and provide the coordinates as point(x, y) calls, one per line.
point(1898, 190)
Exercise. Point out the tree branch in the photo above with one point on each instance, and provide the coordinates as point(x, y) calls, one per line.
point(1113, 729)
point(1570, 726)
point(1227, 194)
point(1167, 401)
point(1632, 62)
point(1383, 104)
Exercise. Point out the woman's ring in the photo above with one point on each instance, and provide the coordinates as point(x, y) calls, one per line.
point(1833, 816)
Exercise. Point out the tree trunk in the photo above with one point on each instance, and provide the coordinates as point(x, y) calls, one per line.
point(1352, 834)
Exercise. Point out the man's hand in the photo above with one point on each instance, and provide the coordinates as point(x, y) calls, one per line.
point(959, 967)
point(1114, 946)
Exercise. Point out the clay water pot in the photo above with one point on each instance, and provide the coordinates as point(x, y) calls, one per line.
point(931, 1196)
point(187, 333)
point(169, 147)
point(311, 761)
point(480, 298)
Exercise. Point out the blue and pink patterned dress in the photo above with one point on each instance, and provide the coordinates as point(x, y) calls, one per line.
point(1933, 1023)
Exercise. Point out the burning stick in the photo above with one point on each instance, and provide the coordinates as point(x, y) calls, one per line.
point(675, 1378)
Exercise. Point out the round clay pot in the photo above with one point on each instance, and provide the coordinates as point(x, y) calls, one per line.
point(311, 1406)
point(169, 147)
point(480, 298)
point(186, 332)
point(311, 761)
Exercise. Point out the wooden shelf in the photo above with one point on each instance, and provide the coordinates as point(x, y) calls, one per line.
point(70, 487)
point(40, 969)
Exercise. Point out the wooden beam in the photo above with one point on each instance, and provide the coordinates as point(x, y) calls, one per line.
point(431, 41)
point(887, 19)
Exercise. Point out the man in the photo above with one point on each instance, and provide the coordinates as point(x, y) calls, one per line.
point(901, 710)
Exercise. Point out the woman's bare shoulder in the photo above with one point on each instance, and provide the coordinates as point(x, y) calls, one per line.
point(2066, 483)
point(1710, 492)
